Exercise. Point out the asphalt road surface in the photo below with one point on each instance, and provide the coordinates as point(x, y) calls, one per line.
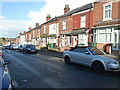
point(42, 71)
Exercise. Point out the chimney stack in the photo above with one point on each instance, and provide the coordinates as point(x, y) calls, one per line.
point(37, 24)
point(66, 9)
point(48, 17)
point(20, 33)
point(29, 28)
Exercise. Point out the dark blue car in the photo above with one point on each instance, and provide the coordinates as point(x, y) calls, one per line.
point(5, 80)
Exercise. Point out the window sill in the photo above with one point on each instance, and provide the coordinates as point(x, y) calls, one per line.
point(108, 19)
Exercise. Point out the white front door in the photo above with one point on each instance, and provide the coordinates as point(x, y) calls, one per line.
point(116, 45)
point(83, 39)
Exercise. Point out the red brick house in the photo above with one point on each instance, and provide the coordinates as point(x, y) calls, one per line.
point(70, 29)
point(17, 40)
point(106, 19)
point(28, 36)
point(44, 31)
point(82, 25)
point(65, 28)
point(36, 34)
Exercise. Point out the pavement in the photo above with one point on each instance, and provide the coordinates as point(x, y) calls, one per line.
point(51, 53)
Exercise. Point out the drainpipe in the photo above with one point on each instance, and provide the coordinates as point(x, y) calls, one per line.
point(89, 25)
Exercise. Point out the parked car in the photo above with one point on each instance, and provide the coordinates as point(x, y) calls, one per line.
point(14, 46)
point(91, 57)
point(29, 48)
point(1, 54)
point(7, 83)
point(20, 48)
point(7, 47)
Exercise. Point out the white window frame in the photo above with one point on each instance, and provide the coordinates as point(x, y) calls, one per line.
point(104, 10)
point(39, 32)
point(33, 34)
point(44, 29)
point(83, 21)
point(97, 33)
point(64, 23)
point(117, 40)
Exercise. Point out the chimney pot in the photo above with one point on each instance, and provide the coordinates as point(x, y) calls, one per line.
point(66, 9)
point(37, 24)
point(48, 17)
point(29, 28)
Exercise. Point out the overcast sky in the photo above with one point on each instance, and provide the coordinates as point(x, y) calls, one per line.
point(18, 15)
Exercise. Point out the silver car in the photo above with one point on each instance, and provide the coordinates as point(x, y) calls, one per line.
point(91, 57)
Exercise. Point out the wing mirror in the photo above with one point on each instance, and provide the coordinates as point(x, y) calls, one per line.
point(7, 62)
point(87, 53)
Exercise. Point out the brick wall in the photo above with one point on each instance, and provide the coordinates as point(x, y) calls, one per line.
point(69, 24)
point(77, 20)
point(98, 13)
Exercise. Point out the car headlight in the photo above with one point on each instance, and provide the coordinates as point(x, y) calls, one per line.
point(112, 62)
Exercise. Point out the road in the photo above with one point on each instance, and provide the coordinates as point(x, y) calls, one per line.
point(42, 71)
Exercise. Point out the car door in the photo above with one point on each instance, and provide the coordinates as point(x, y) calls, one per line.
point(84, 57)
point(74, 55)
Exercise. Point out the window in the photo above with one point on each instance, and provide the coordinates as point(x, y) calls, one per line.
point(83, 50)
point(33, 33)
point(107, 11)
point(44, 29)
point(76, 50)
point(103, 35)
point(39, 32)
point(83, 21)
point(64, 24)
point(80, 50)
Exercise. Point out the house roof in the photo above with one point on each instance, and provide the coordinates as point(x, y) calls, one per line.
point(51, 20)
point(38, 27)
point(80, 31)
point(85, 7)
point(65, 33)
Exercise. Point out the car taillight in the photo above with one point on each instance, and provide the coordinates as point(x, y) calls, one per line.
point(0, 53)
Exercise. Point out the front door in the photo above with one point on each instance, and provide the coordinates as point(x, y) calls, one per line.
point(82, 39)
point(116, 44)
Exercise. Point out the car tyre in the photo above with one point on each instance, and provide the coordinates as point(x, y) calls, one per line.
point(98, 66)
point(67, 60)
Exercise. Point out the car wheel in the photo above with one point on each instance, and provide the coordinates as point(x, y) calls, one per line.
point(98, 67)
point(67, 60)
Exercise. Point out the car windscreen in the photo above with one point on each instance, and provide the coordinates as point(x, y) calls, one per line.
point(31, 46)
point(96, 51)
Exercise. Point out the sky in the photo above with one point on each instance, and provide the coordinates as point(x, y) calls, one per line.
point(17, 16)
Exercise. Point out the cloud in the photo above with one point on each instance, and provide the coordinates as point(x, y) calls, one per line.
point(22, 0)
point(11, 28)
point(54, 8)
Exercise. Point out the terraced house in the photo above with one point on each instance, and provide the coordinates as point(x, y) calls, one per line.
point(94, 24)
point(36, 34)
point(28, 36)
point(106, 19)
point(75, 26)
point(49, 31)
